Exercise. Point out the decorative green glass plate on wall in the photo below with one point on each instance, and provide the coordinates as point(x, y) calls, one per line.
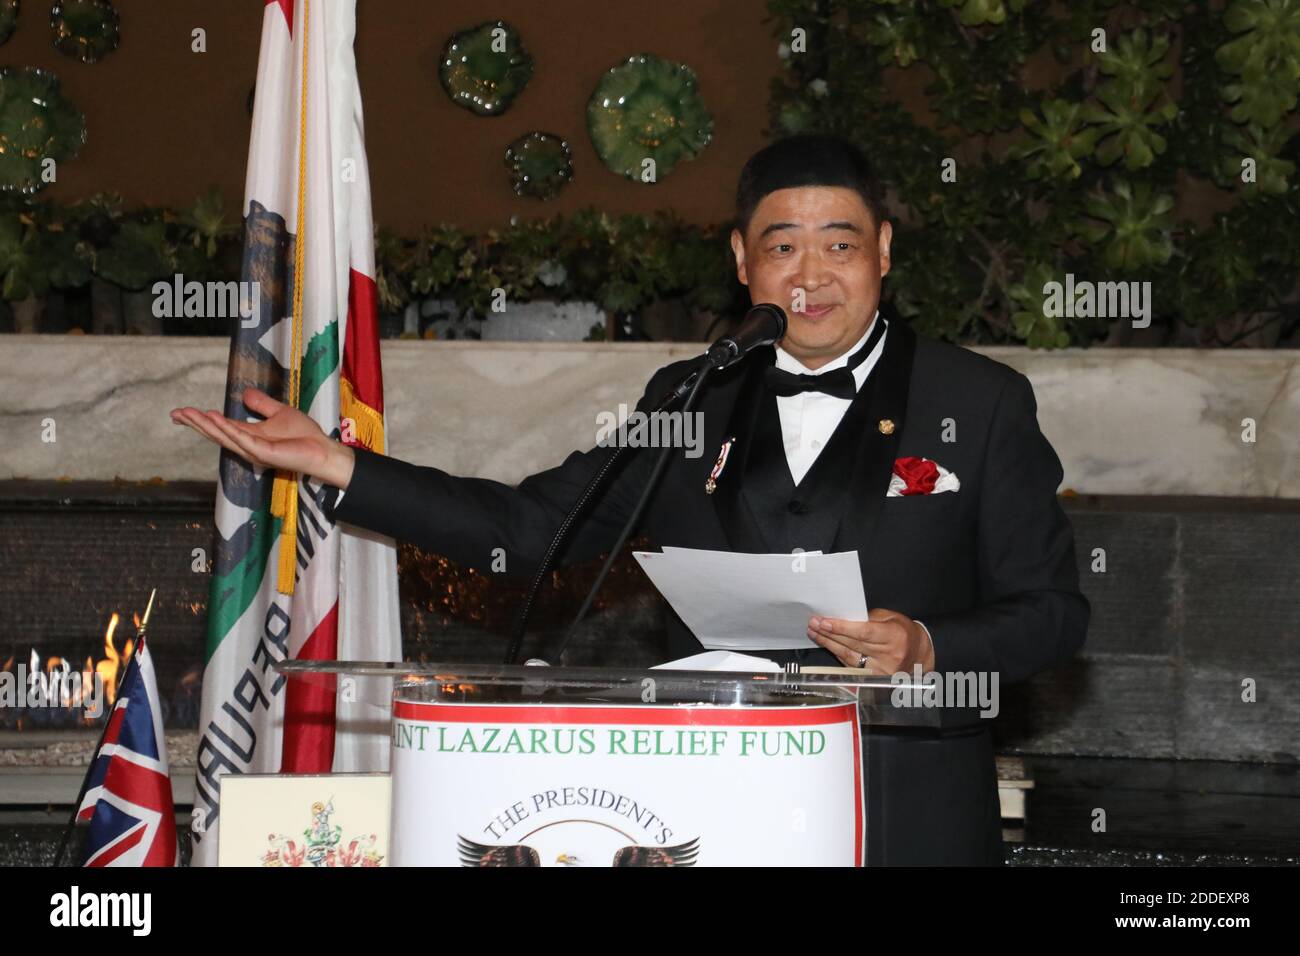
point(484, 68)
point(8, 19)
point(85, 29)
point(36, 123)
point(648, 108)
point(541, 164)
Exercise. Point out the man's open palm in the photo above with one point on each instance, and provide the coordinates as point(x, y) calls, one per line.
point(286, 439)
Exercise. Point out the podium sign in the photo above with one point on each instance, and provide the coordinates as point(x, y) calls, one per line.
point(600, 785)
point(503, 765)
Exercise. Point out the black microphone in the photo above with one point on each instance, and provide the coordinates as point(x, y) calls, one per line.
point(763, 325)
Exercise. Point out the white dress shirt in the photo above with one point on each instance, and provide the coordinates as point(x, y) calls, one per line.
point(809, 419)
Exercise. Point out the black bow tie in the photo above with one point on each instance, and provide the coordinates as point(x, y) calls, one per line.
point(838, 382)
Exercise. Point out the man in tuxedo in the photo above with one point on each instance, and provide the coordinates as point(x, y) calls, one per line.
point(853, 433)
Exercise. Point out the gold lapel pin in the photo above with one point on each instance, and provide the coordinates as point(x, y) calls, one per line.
point(886, 426)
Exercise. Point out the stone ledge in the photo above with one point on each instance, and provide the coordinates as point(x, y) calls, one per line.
point(1123, 421)
point(73, 748)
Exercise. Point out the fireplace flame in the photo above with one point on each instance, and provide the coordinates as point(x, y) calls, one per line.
point(108, 668)
point(54, 674)
point(87, 675)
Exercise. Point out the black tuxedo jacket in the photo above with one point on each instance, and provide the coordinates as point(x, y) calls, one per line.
point(990, 569)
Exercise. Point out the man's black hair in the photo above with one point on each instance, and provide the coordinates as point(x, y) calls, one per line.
point(807, 160)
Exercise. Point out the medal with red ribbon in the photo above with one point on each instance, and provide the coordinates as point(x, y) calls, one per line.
point(712, 483)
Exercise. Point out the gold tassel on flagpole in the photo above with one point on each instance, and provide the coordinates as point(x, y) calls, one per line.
point(284, 490)
point(367, 424)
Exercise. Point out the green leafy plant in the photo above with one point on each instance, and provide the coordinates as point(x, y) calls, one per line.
point(1059, 139)
point(1126, 122)
point(1130, 227)
point(1088, 138)
point(1030, 319)
point(1265, 56)
point(21, 263)
point(205, 223)
point(137, 256)
point(37, 252)
point(622, 263)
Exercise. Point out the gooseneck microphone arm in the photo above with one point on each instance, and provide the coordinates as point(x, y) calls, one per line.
point(762, 325)
point(651, 483)
point(686, 388)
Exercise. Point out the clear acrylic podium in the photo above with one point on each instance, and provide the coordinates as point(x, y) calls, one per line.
point(496, 765)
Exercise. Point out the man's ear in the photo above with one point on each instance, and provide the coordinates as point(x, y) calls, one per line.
point(884, 236)
point(738, 250)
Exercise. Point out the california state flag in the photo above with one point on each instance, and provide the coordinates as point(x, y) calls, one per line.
point(288, 583)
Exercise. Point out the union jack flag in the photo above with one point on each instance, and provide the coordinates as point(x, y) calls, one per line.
point(129, 794)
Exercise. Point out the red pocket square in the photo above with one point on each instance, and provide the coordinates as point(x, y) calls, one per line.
point(920, 476)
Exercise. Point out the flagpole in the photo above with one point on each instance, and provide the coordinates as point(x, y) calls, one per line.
point(85, 780)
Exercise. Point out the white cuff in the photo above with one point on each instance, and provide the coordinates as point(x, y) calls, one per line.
point(927, 635)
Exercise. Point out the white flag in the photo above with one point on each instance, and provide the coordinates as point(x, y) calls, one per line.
point(313, 341)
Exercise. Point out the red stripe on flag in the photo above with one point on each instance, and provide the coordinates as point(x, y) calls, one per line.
point(361, 346)
point(286, 7)
point(125, 845)
point(309, 705)
point(113, 733)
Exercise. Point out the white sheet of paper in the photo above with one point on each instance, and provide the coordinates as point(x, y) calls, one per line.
point(669, 549)
point(722, 661)
point(750, 602)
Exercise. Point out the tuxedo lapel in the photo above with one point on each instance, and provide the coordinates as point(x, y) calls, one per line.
point(874, 462)
point(766, 479)
point(741, 419)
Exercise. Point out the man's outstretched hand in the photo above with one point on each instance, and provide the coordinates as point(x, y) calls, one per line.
point(286, 439)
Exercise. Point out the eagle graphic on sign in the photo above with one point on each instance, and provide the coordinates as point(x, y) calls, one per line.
point(519, 854)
